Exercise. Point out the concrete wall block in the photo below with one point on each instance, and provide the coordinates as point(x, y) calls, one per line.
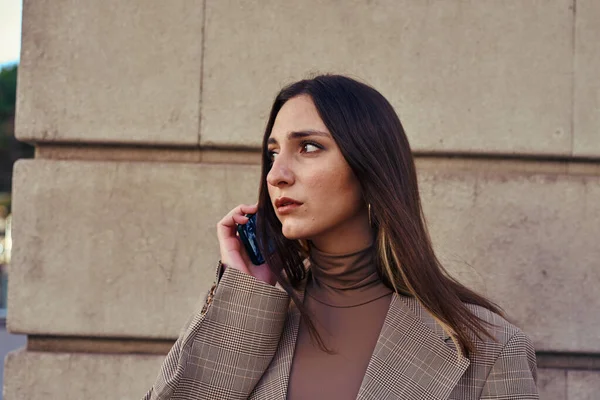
point(529, 242)
point(552, 384)
point(587, 80)
point(583, 385)
point(127, 249)
point(116, 249)
point(34, 376)
point(112, 71)
point(475, 76)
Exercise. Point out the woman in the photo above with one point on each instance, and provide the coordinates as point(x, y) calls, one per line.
point(373, 314)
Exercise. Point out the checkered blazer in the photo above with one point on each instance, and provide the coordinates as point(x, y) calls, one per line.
point(241, 345)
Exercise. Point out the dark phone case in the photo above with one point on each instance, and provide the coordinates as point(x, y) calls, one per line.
point(247, 234)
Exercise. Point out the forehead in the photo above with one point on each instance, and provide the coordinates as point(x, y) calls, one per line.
point(297, 114)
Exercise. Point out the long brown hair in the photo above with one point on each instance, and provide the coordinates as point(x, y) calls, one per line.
point(372, 140)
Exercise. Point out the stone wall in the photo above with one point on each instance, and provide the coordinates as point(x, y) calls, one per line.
point(147, 117)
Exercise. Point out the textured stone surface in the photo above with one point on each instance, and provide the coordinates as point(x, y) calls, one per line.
point(37, 376)
point(110, 71)
point(552, 384)
point(474, 76)
point(116, 249)
point(587, 80)
point(531, 240)
point(157, 154)
point(583, 385)
point(127, 249)
point(8, 343)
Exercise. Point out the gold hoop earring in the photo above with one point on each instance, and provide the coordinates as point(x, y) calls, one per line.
point(370, 221)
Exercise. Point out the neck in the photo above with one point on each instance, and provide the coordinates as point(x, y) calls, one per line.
point(345, 280)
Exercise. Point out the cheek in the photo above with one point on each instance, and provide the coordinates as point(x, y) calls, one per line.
point(335, 197)
point(340, 191)
point(270, 190)
point(332, 197)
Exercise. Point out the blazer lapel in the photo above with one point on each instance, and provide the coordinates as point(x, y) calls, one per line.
point(414, 357)
point(411, 359)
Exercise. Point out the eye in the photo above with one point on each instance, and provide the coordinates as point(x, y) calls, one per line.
point(271, 154)
point(310, 147)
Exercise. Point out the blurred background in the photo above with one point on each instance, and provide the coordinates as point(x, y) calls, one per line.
point(137, 125)
point(10, 150)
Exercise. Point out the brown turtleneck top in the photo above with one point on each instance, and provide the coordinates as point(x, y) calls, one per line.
point(348, 303)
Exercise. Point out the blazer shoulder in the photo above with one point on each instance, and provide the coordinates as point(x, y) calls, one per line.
point(505, 337)
point(496, 325)
point(508, 356)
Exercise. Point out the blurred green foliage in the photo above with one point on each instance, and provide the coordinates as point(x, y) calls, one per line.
point(10, 148)
point(8, 100)
point(8, 91)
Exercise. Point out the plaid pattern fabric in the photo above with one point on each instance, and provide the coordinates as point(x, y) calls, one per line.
point(243, 347)
point(228, 345)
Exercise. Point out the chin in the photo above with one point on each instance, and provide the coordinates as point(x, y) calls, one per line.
point(294, 232)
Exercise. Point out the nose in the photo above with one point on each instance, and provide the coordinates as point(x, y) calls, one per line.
point(280, 174)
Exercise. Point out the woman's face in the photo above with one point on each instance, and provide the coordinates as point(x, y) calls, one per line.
point(309, 170)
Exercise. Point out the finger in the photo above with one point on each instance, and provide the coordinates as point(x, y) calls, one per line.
point(232, 217)
point(248, 208)
point(227, 226)
point(240, 219)
point(243, 209)
point(229, 218)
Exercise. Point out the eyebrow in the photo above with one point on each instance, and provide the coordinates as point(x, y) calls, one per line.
point(299, 135)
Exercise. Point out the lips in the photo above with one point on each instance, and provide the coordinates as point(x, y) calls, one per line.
point(286, 205)
point(286, 201)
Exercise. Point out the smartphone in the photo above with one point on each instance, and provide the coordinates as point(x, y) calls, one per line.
point(247, 234)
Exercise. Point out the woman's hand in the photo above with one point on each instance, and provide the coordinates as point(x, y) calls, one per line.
point(233, 253)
